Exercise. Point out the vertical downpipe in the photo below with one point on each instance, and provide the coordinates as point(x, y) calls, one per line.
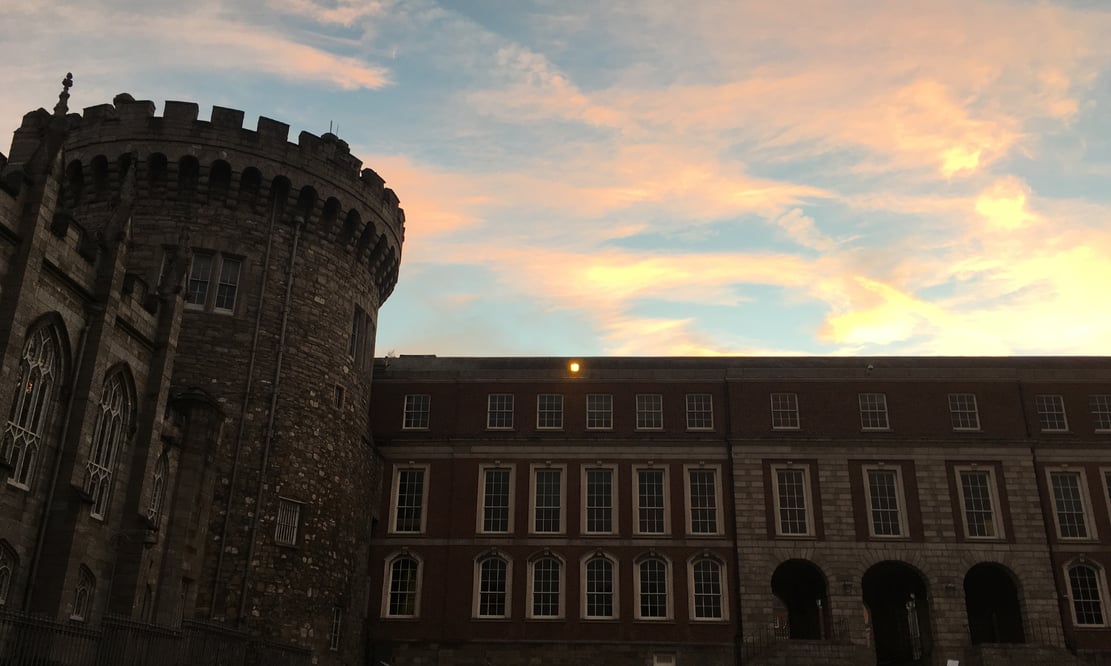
point(245, 404)
point(738, 641)
point(1045, 499)
point(298, 223)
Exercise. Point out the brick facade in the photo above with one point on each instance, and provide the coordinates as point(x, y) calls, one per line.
point(787, 434)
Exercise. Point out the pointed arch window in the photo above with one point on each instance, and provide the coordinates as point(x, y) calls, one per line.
point(157, 491)
point(83, 594)
point(38, 375)
point(9, 562)
point(112, 427)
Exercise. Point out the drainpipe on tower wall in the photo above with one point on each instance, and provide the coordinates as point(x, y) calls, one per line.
point(738, 640)
point(298, 224)
point(274, 207)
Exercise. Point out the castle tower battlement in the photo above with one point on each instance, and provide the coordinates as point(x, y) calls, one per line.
point(189, 161)
point(283, 253)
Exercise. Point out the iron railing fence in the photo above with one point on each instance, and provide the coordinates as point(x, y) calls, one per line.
point(33, 640)
point(764, 639)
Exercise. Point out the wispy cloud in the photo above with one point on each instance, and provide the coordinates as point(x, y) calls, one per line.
point(903, 178)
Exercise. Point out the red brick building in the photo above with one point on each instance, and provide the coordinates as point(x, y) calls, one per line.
point(890, 510)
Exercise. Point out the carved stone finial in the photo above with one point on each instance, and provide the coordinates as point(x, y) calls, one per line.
point(62, 107)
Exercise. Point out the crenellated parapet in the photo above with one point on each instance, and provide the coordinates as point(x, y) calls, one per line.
point(188, 161)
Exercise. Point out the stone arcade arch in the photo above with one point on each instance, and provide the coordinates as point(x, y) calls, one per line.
point(895, 595)
point(991, 599)
point(801, 586)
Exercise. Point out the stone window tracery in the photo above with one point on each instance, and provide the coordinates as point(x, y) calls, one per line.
point(9, 562)
point(23, 433)
point(158, 491)
point(109, 435)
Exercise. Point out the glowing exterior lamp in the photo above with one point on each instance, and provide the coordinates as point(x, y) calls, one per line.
point(574, 367)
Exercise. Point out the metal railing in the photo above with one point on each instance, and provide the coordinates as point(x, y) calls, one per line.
point(32, 640)
point(766, 639)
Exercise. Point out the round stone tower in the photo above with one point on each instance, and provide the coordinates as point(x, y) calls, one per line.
point(285, 252)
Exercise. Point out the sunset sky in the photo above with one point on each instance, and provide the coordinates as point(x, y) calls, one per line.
point(652, 177)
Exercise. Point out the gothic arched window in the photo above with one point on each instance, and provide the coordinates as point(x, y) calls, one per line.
point(21, 444)
point(157, 491)
point(8, 564)
point(112, 428)
point(83, 594)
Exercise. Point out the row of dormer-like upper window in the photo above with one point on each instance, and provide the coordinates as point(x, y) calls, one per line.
point(784, 411)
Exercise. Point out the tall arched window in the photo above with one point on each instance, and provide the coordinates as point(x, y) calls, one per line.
point(112, 427)
point(23, 433)
point(8, 564)
point(157, 491)
point(1087, 586)
point(492, 598)
point(403, 587)
point(600, 597)
point(546, 587)
point(707, 590)
point(653, 584)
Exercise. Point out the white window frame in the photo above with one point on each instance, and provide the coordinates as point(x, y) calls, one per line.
point(647, 411)
point(394, 487)
point(1099, 406)
point(1042, 403)
point(411, 405)
point(615, 597)
point(530, 608)
point(666, 469)
point(222, 284)
point(808, 501)
point(901, 497)
point(715, 470)
point(544, 467)
point(959, 412)
point(501, 411)
point(360, 344)
point(1105, 478)
point(387, 588)
point(1085, 502)
point(335, 630)
point(295, 506)
point(669, 609)
point(201, 304)
point(480, 525)
point(723, 582)
point(603, 411)
point(1101, 586)
point(993, 496)
point(614, 513)
point(214, 281)
point(873, 409)
point(539, 411)
point(692, 411)
point(785, 405)
point(664, 659)
point(477, 590)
